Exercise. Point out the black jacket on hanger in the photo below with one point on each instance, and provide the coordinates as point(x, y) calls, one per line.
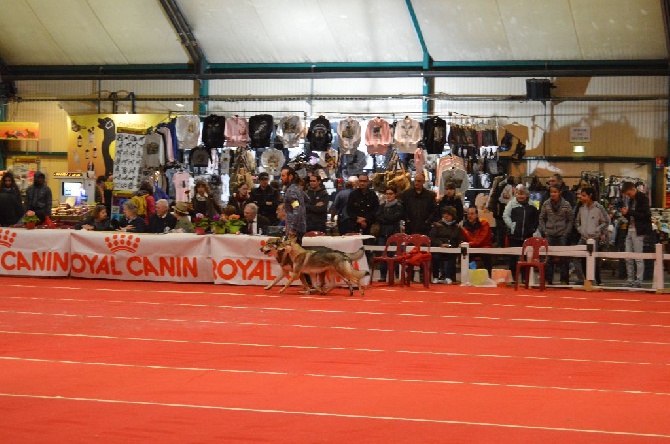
point(319, 134)
point(213, 131)
point(260, 130)
point(434, 135)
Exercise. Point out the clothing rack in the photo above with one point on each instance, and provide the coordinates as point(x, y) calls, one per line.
point(451, 116)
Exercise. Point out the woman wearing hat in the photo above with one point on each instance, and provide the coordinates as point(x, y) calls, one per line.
point(184, 224)
point(445, 233)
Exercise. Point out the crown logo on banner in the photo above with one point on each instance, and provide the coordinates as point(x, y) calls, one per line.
point(122, 242)
point(7, 238)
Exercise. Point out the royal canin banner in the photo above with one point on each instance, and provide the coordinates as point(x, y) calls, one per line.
point(34, 252)
point(146, 257)
point(237, 259)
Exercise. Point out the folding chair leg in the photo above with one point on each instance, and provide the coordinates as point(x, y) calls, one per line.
point(526, 276)
point(516, 277)
point(390, 270)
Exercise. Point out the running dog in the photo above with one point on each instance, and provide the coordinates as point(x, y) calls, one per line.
point(315, 261)
point(274, 247)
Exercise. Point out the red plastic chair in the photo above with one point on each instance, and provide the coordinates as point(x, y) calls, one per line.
point(314, 234)
point(422, 258)
point(536, 244)
point(394, 244)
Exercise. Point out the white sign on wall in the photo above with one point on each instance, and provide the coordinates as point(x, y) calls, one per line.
point(580, 134)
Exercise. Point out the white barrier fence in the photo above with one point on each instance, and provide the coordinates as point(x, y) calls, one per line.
point(572, 251)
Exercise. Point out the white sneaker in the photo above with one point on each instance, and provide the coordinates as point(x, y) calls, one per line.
point(435, 281)
point(446, 281)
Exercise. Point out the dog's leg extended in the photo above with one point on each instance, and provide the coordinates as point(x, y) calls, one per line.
point(308, 289)
point(276, 281)
point(291, 278)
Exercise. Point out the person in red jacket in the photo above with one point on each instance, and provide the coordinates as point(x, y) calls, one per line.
point(477, 232)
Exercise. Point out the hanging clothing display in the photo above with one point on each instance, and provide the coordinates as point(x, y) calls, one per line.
point(168, 130)
point(224, 161)
point(319, 135)
point(153, 151)
point(188, 131)
point(272, 161)
point(407, 135)
point(349, 131)
point(165, 131)
point(378, 136)
point(213, 131)
point(181, 181)
point(419, 159)
point(353, 164)
point(434, 135)
point(127, 161)
point(290, 131)
point(451, 169)
point(237, 131)
point(261, 127)
point(335, 143)
point(200, 157)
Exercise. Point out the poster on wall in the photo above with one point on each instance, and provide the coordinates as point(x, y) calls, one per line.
point(19, 131)
point(92, 139)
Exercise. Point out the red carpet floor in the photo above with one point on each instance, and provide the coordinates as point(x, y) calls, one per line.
point(108, 362)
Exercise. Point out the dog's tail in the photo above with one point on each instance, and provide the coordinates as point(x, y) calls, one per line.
point(356, 255)
point(360, 274)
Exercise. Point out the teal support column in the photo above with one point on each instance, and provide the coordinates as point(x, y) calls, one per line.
point(428, 106)
point(203, 96)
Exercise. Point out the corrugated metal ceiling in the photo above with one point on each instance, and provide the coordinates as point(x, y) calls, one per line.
point(60, 37)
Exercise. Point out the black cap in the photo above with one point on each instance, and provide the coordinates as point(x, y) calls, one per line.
point(263, 175)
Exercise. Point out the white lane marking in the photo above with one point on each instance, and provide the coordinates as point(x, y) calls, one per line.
point(333, 327)
point(348, 349)
point(319, 375)
point(337, 415)
point(246, 307)
point(348, 298)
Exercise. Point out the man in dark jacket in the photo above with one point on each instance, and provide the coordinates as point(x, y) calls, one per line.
point(420, 207)
point(162, 221)
point(38, 197)
point(524, 221)
point(266, 198)
point(638, 214)
point(362, 206)
point(316, 205)
point(256, 223)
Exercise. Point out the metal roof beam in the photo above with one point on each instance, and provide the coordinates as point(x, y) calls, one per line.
point(665, 6)
point(553, 68)
point(427, 59)
point(186, 35)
